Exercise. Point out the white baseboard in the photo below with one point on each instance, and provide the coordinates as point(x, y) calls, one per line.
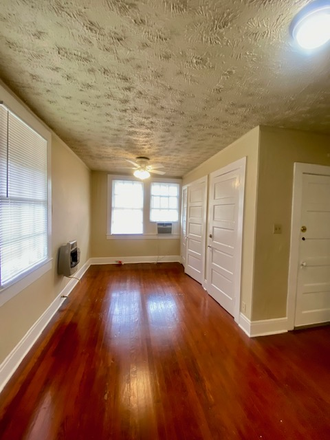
point(12, 361)
point(126, 260)
point(263, 327)
point(245, 324)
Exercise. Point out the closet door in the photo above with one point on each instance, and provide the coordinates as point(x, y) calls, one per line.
point(196, 229)
point(226, 207)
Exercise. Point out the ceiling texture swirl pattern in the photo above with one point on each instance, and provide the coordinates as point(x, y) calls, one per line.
point(176, 81)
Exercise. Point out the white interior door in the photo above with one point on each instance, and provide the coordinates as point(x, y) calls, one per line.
point(196, 229)
point(184, 226)
point(313, 283)
point(226, 204)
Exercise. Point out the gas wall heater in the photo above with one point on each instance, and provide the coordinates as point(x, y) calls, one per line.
point(164, 228)
point(68, 258)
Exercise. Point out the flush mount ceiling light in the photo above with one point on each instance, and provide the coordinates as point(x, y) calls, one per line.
point(141, 174)
point(310, 28)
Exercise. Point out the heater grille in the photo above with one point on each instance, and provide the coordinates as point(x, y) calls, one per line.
point(68, 258)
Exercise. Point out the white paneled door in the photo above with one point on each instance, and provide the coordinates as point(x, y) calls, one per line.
point(313, 281)
point(184, 226)
point(196, 229)
point(226, 203)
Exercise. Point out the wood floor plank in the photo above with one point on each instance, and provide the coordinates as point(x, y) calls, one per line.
point(142, 352)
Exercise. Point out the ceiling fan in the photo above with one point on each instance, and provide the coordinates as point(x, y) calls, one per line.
point(143, 168)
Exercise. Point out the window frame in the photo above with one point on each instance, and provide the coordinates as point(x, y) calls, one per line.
point(149, 228)
point(162, 209)
point(140, 209)
point(19, 283)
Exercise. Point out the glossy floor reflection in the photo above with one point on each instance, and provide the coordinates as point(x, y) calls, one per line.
point(142, 352)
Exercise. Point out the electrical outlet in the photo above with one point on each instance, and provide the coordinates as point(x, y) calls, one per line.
point(243, 307)
point(277, 229)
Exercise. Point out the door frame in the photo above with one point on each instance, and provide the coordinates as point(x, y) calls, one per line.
point(299, 169)
point(239, 164)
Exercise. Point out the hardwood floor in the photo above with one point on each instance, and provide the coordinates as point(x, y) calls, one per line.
point(142, 352)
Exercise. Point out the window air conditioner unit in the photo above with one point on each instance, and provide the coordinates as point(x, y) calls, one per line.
point(164, 228)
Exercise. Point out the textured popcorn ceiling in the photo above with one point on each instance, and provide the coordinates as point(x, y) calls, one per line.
point(173, 80)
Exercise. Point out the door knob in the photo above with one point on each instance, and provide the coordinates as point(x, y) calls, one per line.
point(303, 229)
point(303, 264)
point(210, 235)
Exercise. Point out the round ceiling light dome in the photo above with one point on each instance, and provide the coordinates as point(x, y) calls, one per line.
point(141, 174)
point(310, 28)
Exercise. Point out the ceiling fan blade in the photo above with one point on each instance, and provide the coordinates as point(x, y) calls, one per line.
point(156, 165)
point(157, 172)
point(133, 163)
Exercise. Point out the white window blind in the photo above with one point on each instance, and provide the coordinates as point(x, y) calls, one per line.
point(23, 197)
point(164, 202)
point(127, 207)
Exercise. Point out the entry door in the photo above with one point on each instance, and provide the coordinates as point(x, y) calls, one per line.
point(313, 284)
point(184, 226)
point(226, 202)
point(196, 229)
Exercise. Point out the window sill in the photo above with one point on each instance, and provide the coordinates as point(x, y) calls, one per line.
point(13, 289)
point(143, 237)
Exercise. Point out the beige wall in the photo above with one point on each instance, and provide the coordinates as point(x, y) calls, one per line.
point(279, 149)
point(70, 220)
point(103, 247)
point(245, 146)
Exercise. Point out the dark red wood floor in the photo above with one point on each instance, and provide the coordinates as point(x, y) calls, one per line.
point(142, 352)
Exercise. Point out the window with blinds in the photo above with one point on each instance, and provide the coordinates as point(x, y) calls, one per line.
point(23, 198)
point(127, 207)
point(164, 202)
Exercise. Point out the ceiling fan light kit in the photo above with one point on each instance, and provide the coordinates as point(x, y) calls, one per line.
point(310, 28)
point(141, 174)
point(142, 169)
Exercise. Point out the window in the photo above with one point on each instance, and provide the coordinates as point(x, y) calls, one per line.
point(127, 207)
point(164, 202)
point(23, 198)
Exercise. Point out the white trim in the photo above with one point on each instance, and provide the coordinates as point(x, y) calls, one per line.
point(239, 165)
point(245, 324)
point(141, 259)
point(298, 171)
point(263, 327)
point(144, 236)
point(15, 357)
point(7, 293)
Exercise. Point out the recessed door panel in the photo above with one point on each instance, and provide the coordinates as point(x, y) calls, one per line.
point(195, 246)
point(196, 212)
point(222, 259)
point(195, 229)
point(224, 212)
point(223, 236)
point(225, 188)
